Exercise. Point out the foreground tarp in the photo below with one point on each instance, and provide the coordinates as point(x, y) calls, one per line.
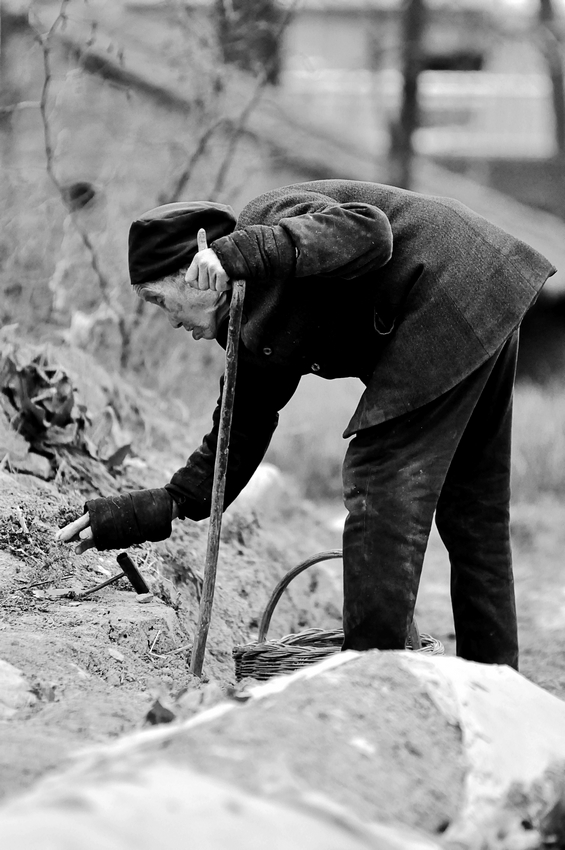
point(386, 742)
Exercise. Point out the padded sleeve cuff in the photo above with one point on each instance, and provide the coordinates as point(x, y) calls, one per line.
point(121, 521)
point(256, 253)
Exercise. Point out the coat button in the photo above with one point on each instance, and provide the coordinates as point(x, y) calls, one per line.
point(315, 367)
point(267, 351)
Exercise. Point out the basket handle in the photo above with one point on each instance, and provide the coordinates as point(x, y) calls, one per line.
point(413, 632)
point(283, 584)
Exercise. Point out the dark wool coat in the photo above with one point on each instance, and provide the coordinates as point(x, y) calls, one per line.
point(408, 292)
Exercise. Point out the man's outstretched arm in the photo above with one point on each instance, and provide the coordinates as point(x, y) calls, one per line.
point(121, 521)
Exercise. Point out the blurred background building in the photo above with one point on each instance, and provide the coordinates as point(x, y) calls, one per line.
point(484, 87)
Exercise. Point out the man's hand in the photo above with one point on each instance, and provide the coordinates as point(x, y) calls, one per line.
point(79, 530)
point(206, 270)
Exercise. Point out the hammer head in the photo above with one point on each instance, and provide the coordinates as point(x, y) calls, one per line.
point(132, 573)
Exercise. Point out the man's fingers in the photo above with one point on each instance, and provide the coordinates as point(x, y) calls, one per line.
point(80, 531)
point(219, 281)
point(205, 270)
point(204, 278)
point(86, 541)
point(201, 240)
point(222, 282)
point(72, 530)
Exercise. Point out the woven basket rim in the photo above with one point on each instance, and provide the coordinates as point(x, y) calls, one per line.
point(293, 643)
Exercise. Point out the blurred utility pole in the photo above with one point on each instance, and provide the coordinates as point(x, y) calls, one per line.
point(413, 25)
point(552, 49)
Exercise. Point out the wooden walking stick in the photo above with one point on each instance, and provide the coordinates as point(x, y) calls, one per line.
point(219, 483)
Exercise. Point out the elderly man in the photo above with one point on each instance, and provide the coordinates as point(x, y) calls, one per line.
point(418, 297)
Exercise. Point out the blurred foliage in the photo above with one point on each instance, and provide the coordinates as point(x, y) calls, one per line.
point(539, 441)
point(118, 142)
point(250, 35)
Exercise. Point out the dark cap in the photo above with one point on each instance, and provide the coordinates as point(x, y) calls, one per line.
point(163, 240)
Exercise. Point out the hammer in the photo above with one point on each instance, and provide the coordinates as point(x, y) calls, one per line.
point(129, 570)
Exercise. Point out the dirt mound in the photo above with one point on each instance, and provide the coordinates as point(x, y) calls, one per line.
point(404, 750)
point(96, 667)
point(365, 736)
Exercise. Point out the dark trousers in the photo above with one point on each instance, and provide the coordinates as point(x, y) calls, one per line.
point(451, 456)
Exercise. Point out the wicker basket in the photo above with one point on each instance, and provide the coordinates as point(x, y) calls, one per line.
point(268, 658)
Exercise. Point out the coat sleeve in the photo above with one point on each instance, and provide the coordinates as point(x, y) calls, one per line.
point(312, 236)
point(261, 391)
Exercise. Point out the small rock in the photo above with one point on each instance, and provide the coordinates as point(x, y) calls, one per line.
point(47, 692)
point(14, 691)
point(59, 592)
point(115, 653)
point(194, 700)
point(34, 464)
point(142, 598)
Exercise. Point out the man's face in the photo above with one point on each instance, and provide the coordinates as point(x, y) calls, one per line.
point(192, 309)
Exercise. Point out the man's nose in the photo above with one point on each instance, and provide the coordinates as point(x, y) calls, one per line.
point(174, 322)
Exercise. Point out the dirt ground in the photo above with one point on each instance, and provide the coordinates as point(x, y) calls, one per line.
point(97, 667)
point(102, 667)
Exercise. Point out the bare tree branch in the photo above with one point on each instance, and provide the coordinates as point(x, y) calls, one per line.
point(184, 177)
point(238, 126)
point(45, 41)
point(238, 129)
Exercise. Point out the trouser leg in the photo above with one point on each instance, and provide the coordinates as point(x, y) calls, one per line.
point(474, 522)
point(393, 476)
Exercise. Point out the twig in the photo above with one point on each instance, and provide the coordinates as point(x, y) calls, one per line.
point(45, 581)
point(155, 641)
point(44, 40)
point(184, 177)
point(61, 471)
point(22, 521)
point(171, 651)
point(20, 553)
point(237, 132)
point(5, 463)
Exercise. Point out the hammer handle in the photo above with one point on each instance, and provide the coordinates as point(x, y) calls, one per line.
point(102, 584)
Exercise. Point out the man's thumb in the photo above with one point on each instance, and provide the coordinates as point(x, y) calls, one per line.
point(201, 240)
